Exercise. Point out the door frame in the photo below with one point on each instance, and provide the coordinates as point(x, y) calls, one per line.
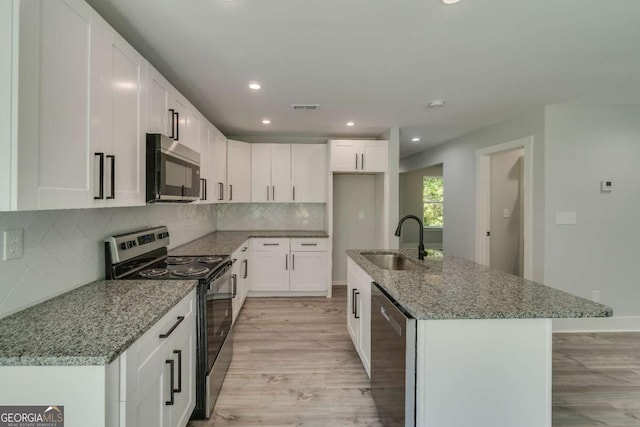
point(483, 203)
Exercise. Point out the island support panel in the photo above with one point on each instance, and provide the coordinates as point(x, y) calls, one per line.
point(483, 372)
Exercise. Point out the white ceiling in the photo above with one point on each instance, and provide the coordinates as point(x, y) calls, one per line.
point(379, 62)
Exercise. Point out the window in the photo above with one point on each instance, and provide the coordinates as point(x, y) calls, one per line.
point(432, 200)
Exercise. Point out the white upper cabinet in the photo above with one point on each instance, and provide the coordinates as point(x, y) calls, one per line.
point(119, 76)
point(309, 173)
point(359, 155)
point(159, 119)
point(271, 173)
point(238, 171)
point(192, 137)
point(219, 178)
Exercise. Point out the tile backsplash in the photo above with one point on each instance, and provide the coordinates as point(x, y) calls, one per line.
point(64, 249)
point(271, 216)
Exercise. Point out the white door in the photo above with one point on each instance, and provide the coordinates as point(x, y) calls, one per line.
point(270, 271)
point(184, 357)
point(344, 155)
point(281, 173)
point(239, 171)
point(353, 324)
point(374, 156)
point(309, 173)
point(158, 89)
point(124, 144)
point(308, 271)
point(153, 391)
point(261, 172)
point(364, 335)
point(55, 146)
point(220, 168)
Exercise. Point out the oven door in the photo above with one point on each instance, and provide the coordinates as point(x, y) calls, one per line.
point(219, 314)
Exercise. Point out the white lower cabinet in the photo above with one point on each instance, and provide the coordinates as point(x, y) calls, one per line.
point(359, 312)
point(240, 277)
point(289, 265)
point(158, 371)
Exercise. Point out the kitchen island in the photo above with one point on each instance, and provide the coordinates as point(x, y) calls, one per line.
point(482, 348)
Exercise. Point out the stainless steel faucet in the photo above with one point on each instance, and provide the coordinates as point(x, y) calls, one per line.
point(421, 224)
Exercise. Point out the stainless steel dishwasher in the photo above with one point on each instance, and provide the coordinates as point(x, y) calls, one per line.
point(393, 361)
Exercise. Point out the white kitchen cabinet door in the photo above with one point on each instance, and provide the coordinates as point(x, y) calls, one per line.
point(308, 271)
point(345, 155)
point(180, 107)
point(124, 141)
point(281, 173)
point(54, 155)
point(270, 270)
point(192, 130)
point(206, 166)
point(352, 322)
point(364, 335)
point(219, 178)
point(158, 92)
point(374, 156)
point(184, 356)
point(152, 392)
point(239, 171)
point(261, 173)
point(309, 173)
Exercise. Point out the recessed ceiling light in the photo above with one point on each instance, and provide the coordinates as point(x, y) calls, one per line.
point(416, 139)
point(266, 121)
point(449, 2)
point(351, 124)
point(255, 85)
point(436, 103)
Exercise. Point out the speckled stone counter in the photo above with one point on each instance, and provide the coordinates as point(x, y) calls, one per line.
point(90, 325)
point(226, 242)
point(455, 288)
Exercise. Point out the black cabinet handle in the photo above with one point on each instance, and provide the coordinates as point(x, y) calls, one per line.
point(179, 353)
point(308, 244)
point(293, 261)
point(113, 176)
point(356, 160)
point(356, 315)
point(100, 195)
point(171, 401)
point(234, 283)
point(353, 301)
point(267, 193)
point(362, 161)
point(286, 261)
point(246, 268)
point(173, 328)
point(230, 192)
point(203, 191)
point(273, 194)
point(294, 193)
point(271, 244)
point(220, 191)
point(177, 138)
point(173, 123)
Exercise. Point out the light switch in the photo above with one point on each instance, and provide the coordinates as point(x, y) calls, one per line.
point(506, 213)
point(12, 244)
point(565, 218)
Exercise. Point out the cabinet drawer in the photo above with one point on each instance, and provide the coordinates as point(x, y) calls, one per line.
point(262, 245)
point(309, 245)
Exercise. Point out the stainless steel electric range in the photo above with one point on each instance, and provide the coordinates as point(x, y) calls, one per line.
point(143, 255)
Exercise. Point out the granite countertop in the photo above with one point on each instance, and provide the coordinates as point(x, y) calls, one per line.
point(90, 325)
point(455, 288)
point(226, 242)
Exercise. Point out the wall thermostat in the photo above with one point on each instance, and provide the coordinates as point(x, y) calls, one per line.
point(606, 185)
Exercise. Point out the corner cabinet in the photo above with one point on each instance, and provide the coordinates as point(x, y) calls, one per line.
point(359, 312)
point(359, 156)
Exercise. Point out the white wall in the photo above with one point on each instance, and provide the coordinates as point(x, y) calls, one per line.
point(506, 193)
point(583, 146)
point(459, 160)
point(271, 216)
point(64, 249)
point(353, 195)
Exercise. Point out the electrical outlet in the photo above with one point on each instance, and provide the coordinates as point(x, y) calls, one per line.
point(12, 244)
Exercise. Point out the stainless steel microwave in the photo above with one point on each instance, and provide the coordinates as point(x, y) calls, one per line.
point(173, 171)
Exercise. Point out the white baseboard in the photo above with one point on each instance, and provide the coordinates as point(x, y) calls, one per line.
point(339, 283)
point(598, 324)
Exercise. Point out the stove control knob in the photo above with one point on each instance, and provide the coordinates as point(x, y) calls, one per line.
point(123, 246)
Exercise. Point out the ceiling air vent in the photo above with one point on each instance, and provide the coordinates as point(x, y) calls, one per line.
point(305, 107)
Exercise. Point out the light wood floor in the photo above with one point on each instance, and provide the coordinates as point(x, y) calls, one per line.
point(294, 365)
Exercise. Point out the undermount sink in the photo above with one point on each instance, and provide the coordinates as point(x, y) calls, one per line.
point(391, 261)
